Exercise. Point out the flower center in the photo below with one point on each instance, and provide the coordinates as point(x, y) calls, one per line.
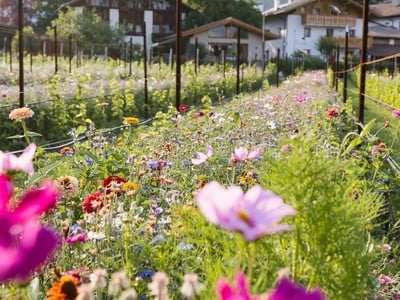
point(244, 216)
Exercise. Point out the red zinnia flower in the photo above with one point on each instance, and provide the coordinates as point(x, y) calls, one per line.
point(332, 113)
point(92, 202)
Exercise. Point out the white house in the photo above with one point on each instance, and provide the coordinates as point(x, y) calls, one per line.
point(301, 23)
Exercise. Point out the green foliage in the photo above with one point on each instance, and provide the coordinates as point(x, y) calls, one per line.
point(85, 29)
point(330, 246)
point(326, 45)
point(206, 11)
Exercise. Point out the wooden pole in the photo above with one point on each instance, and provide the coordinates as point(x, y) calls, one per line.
point(130, 57)
point(346, 54)
point(55, 50)
point(238, 62)
point(337, 67)
point(178, 53)
point(278, 57)
point(196, 54)
point(21, 52)
point(364, 55)
point(146, 97)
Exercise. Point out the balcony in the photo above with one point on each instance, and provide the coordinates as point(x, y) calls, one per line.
point(353, 42)
point(329, 21)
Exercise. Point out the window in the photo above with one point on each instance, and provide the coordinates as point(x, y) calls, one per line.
point(307, 32)
point(329, 32)
point(316, 11)
point(352, 33)
point(217, 32)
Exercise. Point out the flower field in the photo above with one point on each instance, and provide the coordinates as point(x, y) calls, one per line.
point(269, 196)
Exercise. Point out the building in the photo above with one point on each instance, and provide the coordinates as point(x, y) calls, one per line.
point(220, 38)
point(384, 29)
point(159, 17)
point(301, 23)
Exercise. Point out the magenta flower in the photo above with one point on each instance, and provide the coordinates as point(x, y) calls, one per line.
point(10, 162)
point(253, 214)
point(396, 113)
point(241, 292)
point(242, 154)
point(76, 238)
point(23, 240)
point(201, 157)
point(289, 290)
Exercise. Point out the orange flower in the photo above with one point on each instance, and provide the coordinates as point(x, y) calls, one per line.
point(65, 289)
point(21, 113)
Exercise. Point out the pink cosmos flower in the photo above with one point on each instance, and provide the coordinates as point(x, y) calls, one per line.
point(289, 290)
point(241, 292)
point(24, 242)
point(76, 238)
point(253, 214)
point(242, 153)
point(396, 113)
point(201, 157)
point(10, 162)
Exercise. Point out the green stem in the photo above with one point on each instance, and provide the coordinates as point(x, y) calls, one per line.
point(25, 130)
point(251, 252)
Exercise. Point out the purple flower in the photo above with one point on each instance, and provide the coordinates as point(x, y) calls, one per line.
point(289, 290)
point(23, 240)
point(253, 214)
point(239, 292)
point(242, 154)
point(396, 113)
point(203, 157)
point(10, 162)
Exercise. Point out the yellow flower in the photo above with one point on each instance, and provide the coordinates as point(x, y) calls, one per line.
point(130, 187)
point(131, 120)
point(21, 113)
point(65, 289)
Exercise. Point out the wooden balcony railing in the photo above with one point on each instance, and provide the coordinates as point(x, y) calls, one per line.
point(353, 42)
point(333, 21)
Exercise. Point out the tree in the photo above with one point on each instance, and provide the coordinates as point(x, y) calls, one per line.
point(206, 11)
point(87, 29)
point(46, 11)
point(326, 45)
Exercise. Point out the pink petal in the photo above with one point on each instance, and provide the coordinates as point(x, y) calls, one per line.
point(216, 203)
point(224, 290)
point(6, 192)
point(210, 151)
point(35, 202)
point(35, 246)
point(201, 158)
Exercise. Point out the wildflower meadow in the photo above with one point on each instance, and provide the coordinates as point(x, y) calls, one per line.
point(272, 195)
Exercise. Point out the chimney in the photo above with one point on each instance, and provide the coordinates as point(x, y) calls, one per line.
point(277, 3)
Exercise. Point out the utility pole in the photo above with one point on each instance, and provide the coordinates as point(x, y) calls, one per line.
point(364, 55)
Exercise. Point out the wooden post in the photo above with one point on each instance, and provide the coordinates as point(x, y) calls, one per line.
point(277, 66)
point(364, 55)
point(238, 62)
point(145, 69)
point(21, 52)
point(70, 52)
point(346, 54)
point(178, 53)
point(130, 57)
point(55, 50)
point(196, 54)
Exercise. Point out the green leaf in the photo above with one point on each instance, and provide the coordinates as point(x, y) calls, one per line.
point(18, 136)
point(31, 133)
point(367, 128)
